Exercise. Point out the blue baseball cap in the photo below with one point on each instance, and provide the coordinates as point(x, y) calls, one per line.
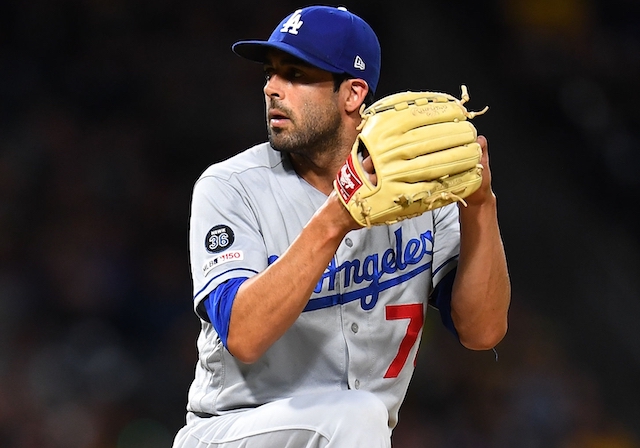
point(332, 39)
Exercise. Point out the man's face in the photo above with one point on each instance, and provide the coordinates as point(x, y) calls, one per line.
point(303, 115)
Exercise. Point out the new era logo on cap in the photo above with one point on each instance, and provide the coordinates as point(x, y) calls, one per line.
point(329, 38)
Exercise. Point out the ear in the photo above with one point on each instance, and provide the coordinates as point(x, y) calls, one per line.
point(356, 90)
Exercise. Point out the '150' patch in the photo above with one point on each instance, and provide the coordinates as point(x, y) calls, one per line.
point(219, 238)
point(232, 255)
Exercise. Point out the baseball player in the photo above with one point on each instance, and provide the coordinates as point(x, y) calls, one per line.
point(310, 321)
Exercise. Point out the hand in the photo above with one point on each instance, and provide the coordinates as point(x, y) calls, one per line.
point(367, 166)
point(484, 193)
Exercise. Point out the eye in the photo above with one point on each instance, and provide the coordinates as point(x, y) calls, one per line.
point(293, 74)
point(289, 73)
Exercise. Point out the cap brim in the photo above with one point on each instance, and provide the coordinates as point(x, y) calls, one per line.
point(256, 50)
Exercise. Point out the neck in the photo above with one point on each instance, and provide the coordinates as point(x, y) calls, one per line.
point(320, 171)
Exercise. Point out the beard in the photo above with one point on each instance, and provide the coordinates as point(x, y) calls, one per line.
point(315, 130)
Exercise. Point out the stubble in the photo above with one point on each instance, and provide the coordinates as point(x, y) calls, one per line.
point(312, 132)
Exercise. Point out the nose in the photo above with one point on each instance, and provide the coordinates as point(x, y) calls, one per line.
point(273, 87)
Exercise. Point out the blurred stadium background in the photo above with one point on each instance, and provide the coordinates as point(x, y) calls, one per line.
point(110, 109)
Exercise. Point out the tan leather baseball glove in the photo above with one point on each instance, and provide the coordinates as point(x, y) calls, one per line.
point(424, 154)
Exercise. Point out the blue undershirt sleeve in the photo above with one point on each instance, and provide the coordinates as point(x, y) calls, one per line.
point(218, 306)
point(441, 300)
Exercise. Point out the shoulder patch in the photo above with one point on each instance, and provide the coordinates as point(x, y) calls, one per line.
point(217, 260)
point(219, 238)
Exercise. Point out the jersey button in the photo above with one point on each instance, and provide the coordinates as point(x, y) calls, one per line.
point(356, 384)
point(348, 242)
point(354, 327)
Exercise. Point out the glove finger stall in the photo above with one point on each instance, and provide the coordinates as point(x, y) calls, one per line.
point(422, 141)
point(433, 166)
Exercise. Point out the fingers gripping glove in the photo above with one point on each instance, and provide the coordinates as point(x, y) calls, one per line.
point(424, 154)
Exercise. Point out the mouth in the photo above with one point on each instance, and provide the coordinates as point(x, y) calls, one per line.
point(277, 118)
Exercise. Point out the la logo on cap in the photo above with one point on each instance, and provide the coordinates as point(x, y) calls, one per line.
point(293, 24)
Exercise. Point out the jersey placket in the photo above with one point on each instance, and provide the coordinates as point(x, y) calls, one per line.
point(351, 312)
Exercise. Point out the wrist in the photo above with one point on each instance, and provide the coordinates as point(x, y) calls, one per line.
point(338, 219)
point(479, 210)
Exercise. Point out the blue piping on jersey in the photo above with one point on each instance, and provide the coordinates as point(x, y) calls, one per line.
point(439, 268)
point(223, 273)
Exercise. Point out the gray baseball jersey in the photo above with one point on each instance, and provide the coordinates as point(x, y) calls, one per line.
point(362, 325)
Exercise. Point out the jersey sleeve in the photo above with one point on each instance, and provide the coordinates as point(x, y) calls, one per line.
point(446, 247)
point(445, 261)
point(224, 237)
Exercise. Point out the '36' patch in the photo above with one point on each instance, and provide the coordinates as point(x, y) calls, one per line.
point(219, 238)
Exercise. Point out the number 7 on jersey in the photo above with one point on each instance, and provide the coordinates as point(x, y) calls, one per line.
point(414, 312)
